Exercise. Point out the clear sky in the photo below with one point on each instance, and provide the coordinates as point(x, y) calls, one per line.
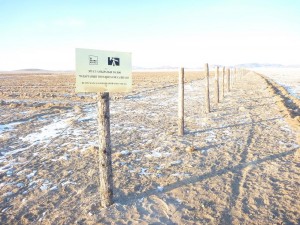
point(44, 33)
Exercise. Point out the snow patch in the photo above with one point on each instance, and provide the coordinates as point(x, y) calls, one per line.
point(8, 127)
point(47, 132)
point(156, 154)
point(31, 174)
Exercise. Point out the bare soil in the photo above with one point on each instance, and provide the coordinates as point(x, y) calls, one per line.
point(238, 164)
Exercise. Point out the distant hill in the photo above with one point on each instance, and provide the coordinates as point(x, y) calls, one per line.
point(155, 68)
point(267, 65)
point(162, 68)
point(32, 71)
point(36, 71)
point(212, 66)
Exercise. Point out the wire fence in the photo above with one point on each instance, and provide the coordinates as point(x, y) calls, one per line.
point(43, 198)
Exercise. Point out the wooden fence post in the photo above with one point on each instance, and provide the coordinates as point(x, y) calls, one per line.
point(217, 92)
point(181, 102)
point(235, 75)
point(232, 77)
point(207, 102)
point(228, 80)
point(105, 166)
point(223, 82)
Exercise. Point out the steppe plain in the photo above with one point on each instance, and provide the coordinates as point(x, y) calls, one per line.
point(238, 164)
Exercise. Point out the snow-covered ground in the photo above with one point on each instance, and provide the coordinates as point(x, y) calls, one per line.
point(286, 77)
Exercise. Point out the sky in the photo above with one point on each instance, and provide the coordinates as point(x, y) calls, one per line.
point(189, 33)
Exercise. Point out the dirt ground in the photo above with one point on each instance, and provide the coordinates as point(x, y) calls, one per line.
point(238, 164)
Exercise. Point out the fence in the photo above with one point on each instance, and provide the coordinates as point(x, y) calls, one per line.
point(220, 83)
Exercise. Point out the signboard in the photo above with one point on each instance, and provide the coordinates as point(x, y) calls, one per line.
point(103, 71)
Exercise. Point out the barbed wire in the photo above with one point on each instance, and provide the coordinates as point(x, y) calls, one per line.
point(48, 159)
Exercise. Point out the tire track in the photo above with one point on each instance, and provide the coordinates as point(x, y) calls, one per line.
point(236, 203)
point(239, 202)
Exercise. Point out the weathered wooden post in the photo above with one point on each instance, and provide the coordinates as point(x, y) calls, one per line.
point(105, 166)
point(228, 79)
point(207, 101)
point(232, 77)
point(223, 82)
point(235, 75)
point(217, 96)
point(181, 102)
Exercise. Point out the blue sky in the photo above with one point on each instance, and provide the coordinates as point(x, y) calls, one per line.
point(44, 34)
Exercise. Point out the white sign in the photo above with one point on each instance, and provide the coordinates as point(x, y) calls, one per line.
point(103, 71)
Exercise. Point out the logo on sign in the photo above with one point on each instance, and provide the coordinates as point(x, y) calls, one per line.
point(112, 61)
point(93, 60)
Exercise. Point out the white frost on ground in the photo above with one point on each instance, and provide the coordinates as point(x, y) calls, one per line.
point(47, 132)
point(14, 151)
point(8, 127)
point(46, 185)
point(289, 78)
point(31, 174)
point(146, 124)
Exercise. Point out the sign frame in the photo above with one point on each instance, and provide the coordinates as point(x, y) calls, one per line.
point(102, 71)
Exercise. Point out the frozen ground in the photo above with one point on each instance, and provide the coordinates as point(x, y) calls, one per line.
point(244, 168)
point(289, 78)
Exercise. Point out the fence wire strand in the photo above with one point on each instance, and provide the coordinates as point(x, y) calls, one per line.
point(44, 198)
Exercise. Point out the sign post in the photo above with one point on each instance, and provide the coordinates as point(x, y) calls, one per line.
point(105, 165)
point(103, 72)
